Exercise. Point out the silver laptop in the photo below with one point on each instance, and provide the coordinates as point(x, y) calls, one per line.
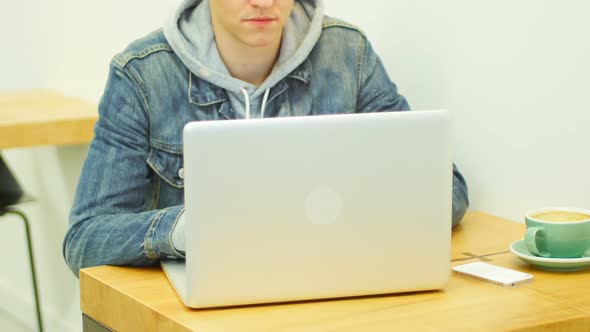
point(290, 209)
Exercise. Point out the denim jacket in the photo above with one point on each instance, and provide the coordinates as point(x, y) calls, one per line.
point(130, 192)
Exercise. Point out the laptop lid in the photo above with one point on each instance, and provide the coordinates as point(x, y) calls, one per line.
point(289, 209)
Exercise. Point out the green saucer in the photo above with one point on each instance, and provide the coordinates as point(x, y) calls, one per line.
point(552, 264)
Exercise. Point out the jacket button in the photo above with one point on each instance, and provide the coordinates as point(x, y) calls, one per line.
point(181, 173)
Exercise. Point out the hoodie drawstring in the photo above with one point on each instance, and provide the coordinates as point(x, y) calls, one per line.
point(247, 102)
point(264, 100)
point(245, 93)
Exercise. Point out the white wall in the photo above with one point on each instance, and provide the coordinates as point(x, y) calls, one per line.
point(512, 72)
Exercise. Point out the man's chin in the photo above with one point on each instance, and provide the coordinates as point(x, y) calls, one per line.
point(262, 41)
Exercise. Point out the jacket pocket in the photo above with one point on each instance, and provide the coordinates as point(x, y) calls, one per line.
point(168, 165)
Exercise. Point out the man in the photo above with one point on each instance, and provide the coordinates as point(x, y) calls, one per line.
point(215, 60)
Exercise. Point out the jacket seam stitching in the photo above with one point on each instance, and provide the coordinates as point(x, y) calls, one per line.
point(190, 97)
point(124, 59)
point(190, 86)
point(360, 58)
point(156, 144)
point(297, 78)
point(155, 166)
point(332, 24)
point(148, 245)
point(280, 92)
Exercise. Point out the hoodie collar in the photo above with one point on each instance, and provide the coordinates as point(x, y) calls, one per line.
point(204, 93)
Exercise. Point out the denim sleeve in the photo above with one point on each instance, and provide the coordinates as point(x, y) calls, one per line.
point(460, 196)
point(377, 93)
point(111, 222)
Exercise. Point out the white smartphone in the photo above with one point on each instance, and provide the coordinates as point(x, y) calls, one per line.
point(494, 274)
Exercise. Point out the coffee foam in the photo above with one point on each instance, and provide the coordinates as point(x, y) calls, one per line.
point(561, 216)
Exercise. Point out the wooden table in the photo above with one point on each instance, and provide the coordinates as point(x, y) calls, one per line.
point(42, 117)
point(136, 299)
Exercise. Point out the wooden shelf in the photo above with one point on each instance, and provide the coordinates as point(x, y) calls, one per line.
point(43, 117)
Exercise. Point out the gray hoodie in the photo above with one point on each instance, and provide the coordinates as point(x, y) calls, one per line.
point(190, 34)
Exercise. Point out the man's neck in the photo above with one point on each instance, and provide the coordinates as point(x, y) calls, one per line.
point(249, 64)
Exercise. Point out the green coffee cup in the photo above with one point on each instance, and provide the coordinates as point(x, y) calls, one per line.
point(558, 232)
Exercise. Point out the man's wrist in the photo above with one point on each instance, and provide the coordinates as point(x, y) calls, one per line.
point(178, 236)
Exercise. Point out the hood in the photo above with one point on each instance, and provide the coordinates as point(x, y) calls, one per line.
point(190, 34)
